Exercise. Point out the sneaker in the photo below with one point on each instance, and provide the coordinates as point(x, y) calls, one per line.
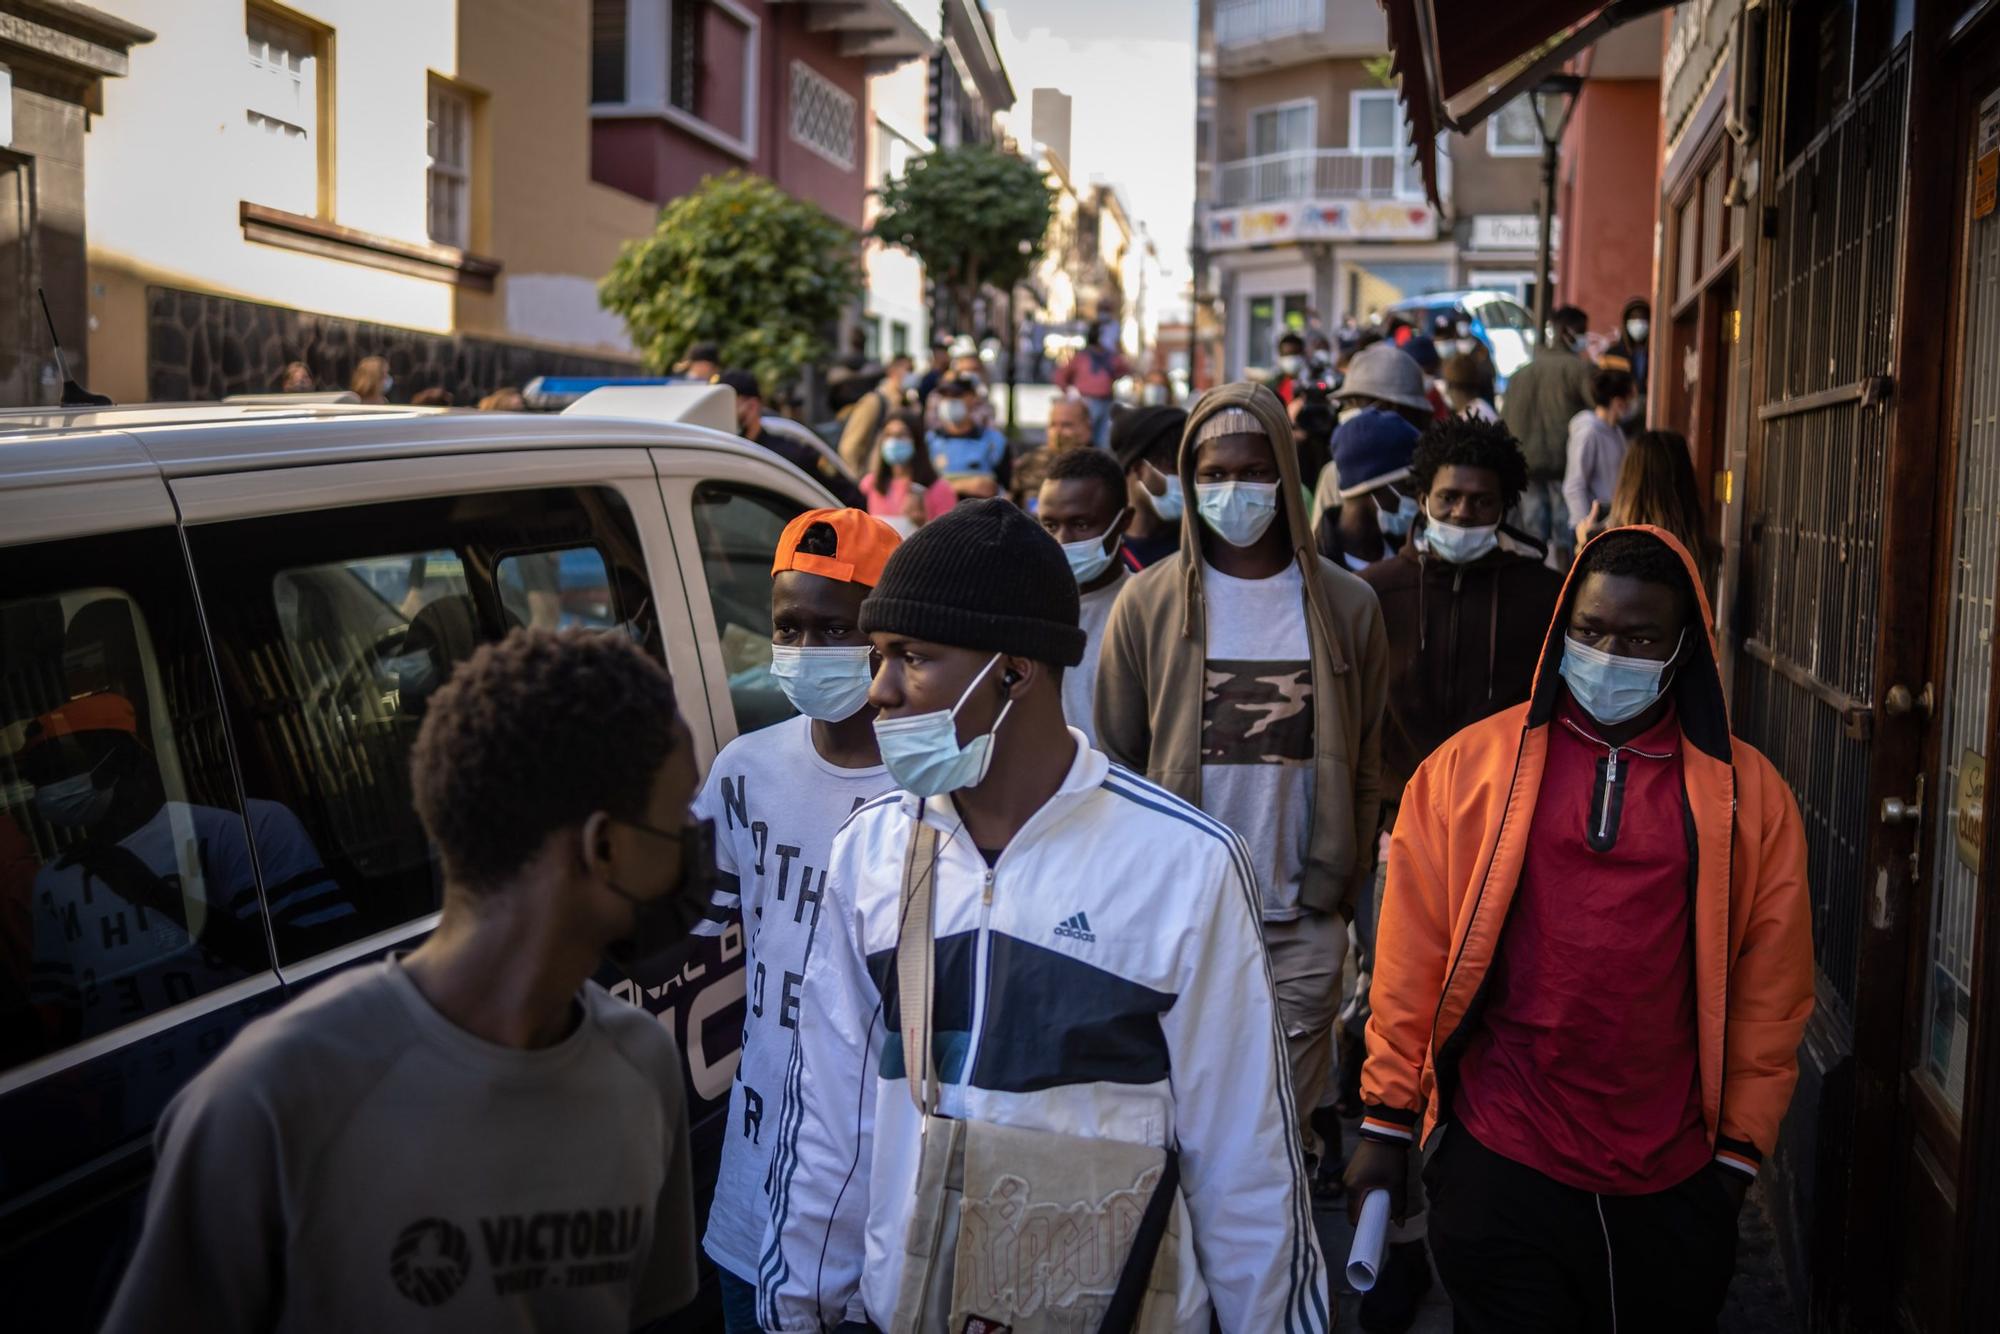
point(1390, 1307)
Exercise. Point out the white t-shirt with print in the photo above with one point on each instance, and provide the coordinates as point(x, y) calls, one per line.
point(1257, 725)
point(776, 804)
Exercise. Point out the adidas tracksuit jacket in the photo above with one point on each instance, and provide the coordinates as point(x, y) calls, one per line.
point(1106, 977)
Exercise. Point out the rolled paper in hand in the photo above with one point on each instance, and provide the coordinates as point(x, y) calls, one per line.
point(1364, 1258)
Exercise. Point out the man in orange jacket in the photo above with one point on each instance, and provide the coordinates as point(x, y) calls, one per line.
point(1593, 968)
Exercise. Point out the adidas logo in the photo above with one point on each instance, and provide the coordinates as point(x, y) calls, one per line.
point(1076, 928)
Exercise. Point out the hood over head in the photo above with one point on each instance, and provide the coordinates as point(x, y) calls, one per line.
point(1698, 698)
point(1265, 407)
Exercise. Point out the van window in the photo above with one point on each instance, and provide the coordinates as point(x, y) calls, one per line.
point(333, 631)
point(557, 590)
point(737, 528)
point(126, 881)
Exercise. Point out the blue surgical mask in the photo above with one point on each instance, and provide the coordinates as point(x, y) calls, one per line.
point(1237, 512)
point(1088, 558)
point(1610, 688)
point(1171, 505)
point(922, 751)
point(898, 450)
point(76, 801)
point(827, 684)
point(1397, 523)
point(1458, 545)
point(953, 412)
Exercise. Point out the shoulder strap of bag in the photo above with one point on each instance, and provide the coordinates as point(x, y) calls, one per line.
point(915, 950)
point(1122, 1315)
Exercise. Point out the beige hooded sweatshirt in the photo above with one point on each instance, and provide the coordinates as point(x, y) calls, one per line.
point(1151, 677)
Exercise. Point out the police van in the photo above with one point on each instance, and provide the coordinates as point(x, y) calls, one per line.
point(220, 625)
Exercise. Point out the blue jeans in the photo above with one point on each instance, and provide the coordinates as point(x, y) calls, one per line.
point(739, 1303)
point(1541, 514)
point(1100, 421)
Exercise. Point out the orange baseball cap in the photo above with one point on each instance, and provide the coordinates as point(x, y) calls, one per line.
point(861, 545)
point(103, 712)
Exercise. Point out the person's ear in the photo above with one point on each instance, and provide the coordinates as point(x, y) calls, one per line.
point(1017, 676)
point(594, 841)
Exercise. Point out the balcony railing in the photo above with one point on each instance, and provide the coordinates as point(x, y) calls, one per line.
point(1320, 173)
point(1247, 22)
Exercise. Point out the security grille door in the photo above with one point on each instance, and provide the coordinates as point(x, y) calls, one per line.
point(1812, 569)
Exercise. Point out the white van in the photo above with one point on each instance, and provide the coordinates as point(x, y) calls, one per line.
point(251, 604)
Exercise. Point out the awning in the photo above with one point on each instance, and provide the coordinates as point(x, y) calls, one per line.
point(1461, 60)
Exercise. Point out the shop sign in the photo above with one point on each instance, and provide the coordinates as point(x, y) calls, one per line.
point(1968, 809)
point(1511, 231)
point(1324, 220)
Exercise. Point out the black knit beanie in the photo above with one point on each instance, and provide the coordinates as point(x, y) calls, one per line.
point(1138, 433)
point(982, 576)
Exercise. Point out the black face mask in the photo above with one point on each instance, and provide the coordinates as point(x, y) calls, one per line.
point(660, 923)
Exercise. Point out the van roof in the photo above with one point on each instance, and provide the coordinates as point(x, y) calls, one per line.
point(43, 446)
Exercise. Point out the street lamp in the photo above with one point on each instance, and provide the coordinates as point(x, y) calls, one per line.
point(1553, 99)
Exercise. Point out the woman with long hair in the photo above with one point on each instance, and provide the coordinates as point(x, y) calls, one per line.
point(1656, 486)
point(904, 488)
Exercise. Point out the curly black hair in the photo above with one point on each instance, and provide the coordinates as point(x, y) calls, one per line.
point(1467, 442)
point(534, 733)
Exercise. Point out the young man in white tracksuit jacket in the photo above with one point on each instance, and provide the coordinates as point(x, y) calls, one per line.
point(1098, 967)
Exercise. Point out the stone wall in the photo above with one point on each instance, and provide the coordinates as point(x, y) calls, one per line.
point(200, 346)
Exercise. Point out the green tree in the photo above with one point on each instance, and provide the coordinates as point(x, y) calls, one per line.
point(974, 215)
point(741, 264)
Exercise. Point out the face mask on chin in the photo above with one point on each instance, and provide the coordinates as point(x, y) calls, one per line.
point(922, 753)
point(1613, 689)
point(661, 922)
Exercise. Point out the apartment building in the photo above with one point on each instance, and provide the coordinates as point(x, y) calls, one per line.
point(685, 89)
point(946, 101)
point(1309, 206)
point(337, 179)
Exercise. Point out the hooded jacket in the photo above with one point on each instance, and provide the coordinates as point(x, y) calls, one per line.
point(1463, 640)
point(1152, 677)
point(1455, 860)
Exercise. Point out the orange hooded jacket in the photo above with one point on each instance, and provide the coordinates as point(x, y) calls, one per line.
point(1455, 859)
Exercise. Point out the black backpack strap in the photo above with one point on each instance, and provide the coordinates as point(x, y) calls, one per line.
point(1126, 1298)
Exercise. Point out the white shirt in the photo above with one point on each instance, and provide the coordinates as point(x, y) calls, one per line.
point(1080, 681)
point(1257, 725)
point(776, 804)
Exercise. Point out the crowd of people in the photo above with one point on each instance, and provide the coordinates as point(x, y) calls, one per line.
point(1323, 789)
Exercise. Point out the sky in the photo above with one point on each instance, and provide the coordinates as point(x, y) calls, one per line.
point(1128, 65)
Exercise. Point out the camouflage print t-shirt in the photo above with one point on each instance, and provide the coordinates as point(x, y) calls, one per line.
point(1257, 725)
